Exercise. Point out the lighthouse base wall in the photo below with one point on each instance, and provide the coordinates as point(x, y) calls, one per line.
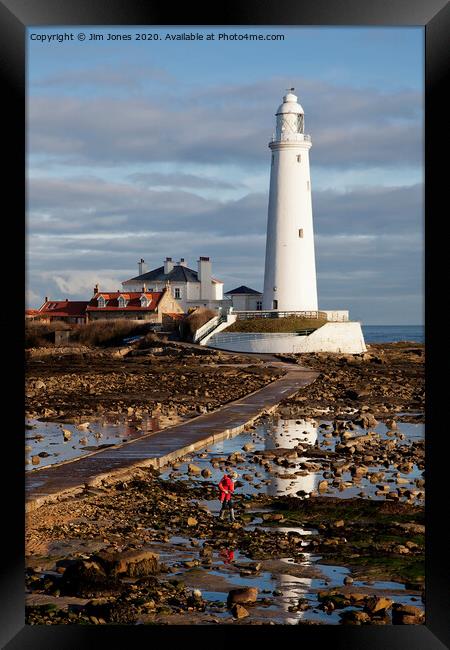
point(343, 337)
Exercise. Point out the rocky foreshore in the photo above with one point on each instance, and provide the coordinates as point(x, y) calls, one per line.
point(169, 380)
point(108, 556)
point(388, 379)
point(151, 550)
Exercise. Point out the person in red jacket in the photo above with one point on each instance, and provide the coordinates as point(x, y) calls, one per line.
point(226, 489)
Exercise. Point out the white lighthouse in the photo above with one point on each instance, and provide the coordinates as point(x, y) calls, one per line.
point(290, 271)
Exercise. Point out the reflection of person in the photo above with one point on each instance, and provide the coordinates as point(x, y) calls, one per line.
point(228, 555)
point(226, 488)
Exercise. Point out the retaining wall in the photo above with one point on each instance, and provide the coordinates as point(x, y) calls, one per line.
point(343, 337)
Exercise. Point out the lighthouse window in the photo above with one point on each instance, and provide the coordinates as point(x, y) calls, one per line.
point(273, 159)
point(299, 159)
point(300, 232)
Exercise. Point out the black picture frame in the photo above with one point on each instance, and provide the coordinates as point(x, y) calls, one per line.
point(15, 16)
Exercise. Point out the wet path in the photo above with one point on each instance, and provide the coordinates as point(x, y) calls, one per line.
point(157, 449)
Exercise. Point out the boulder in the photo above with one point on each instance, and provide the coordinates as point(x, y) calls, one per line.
point(354, 617)
point(206, 473)
point(356, 597)
point(83, 574)
point(242, 595)
point(239, 611)
point(206, 551)
point(377, 604)
point(407, 615)
point(192, 521)
point(269, 516)
point(194, 469)
point(134, 563)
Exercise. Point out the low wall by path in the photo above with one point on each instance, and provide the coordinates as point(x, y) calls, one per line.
point(341, 337)
point(254, 342)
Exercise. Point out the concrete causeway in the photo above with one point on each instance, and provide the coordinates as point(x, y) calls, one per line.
point(159, 448)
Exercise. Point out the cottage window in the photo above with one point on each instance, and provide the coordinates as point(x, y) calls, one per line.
point(275, 304)
point(101, 301)
point(300, 232)
point(177, 293)
point(259, 305)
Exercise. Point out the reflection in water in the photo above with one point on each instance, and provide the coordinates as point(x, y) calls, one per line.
point(227, 554)
point(47, 443)
point(288, 434)
point(293, 588)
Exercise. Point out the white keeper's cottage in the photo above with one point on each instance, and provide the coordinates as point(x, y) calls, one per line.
point(190, 288)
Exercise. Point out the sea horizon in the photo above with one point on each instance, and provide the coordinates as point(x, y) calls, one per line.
point(393, 333)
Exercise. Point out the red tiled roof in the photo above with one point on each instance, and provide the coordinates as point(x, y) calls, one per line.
point(64, 308)
point(133, 298)
point(31, 312)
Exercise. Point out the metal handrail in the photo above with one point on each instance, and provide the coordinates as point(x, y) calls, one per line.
point(294, 138)
point(274, 313)
point(217, 321)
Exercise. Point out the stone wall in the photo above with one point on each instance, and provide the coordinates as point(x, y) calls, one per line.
point(344, 337)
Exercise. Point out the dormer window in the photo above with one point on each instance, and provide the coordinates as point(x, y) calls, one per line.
point(122, 302)
point(101, 301)
point(144, 301)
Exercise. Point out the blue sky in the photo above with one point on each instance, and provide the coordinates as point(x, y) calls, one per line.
point(159, 148)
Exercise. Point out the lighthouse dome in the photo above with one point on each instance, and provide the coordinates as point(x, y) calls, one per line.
point(290, 105)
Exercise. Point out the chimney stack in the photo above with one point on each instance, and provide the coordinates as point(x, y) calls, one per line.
point(46, 298)
point(95, 289)
point(144, 288)
point(168, 265)
point(182, 261)
point(142, 266)
point(205, 278)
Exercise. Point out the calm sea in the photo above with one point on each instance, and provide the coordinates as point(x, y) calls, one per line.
point(393, 333)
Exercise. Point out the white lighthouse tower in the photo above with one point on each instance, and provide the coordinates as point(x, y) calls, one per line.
point(290, 271)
